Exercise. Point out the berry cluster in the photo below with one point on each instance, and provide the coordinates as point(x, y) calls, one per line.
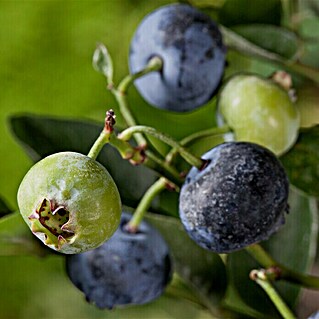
point(235, 195)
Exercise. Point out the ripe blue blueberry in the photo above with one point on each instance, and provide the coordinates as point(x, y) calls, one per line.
point(190, 45)
point(238, 199)
point(314, 315)
point(131, 268)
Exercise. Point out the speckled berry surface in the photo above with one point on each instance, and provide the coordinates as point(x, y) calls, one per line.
point(190, 45)
point(128, 269)
point(70, 202)
point(240, 198)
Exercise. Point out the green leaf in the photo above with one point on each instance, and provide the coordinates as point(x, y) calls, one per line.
point(294, 246)
point(238, 43)
point(31, 288)
point(234, 302)
point(4, 209)
point(41, 136)
point(102, 62)
point(17, 239)
point(202, 269)
point(272, 38)
point(302, 161)
point(246, 11)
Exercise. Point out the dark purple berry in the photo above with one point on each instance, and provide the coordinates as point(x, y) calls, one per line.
point(190, 45)
point(131, 268)
point(315, 315)
point(237, 200)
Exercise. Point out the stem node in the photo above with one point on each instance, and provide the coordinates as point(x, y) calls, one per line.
point(109, 121)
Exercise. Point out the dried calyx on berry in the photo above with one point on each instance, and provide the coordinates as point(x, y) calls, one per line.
point(70, 202)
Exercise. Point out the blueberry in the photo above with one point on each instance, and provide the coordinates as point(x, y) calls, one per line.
point(127, 269)
point(314, 315)
point(238, 199)
point(190, 45)
point(70, 202)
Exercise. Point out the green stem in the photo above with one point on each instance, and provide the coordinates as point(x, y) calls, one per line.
point(309, 72)
point(126, 150)
point(99, 143)
point(163, 168)
point(127, 115)
point(152, 160)
point(266, 261)
point(205, 133)
point(308, 281)
point(261, 256)
point(197, 135)
point(154, 64)
point(145, 203)
point(189, 157)
point(238, 43)
point(141, 141)
point(160, 184)
point(264, 283)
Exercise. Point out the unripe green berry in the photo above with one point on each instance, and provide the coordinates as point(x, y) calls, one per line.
point(70, 202)
point(259, 111)
point(308, 105)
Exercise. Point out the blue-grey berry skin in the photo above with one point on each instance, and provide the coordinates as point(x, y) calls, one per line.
point(128, 269)
point(237, 200)
point(190, 45)
point(314, 315)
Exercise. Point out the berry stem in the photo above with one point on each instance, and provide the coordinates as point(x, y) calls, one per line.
point(102, 62)
point(161, 183)
point(152, 160)
point(197, 135)
point(145, 204)
point(154, 64)
point(238, 43)
point(300, 279)
point(205, 133)
point(162, 167)
point(265, 260)
point(127, 115)
point(96, 148)
point(261, 279)
point(189, 157)
point(261, 256)
point(127, 151)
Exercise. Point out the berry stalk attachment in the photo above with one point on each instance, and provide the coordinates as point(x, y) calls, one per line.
point(261, 278)
point(283, 273)
point(193, 54)
point(188, 157)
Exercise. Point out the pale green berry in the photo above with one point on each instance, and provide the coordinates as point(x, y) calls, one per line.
point(259, 111)
point(308, 105)
point(70, 202)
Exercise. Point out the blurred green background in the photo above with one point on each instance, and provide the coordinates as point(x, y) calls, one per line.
point(46, 68)
point(45, 64)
